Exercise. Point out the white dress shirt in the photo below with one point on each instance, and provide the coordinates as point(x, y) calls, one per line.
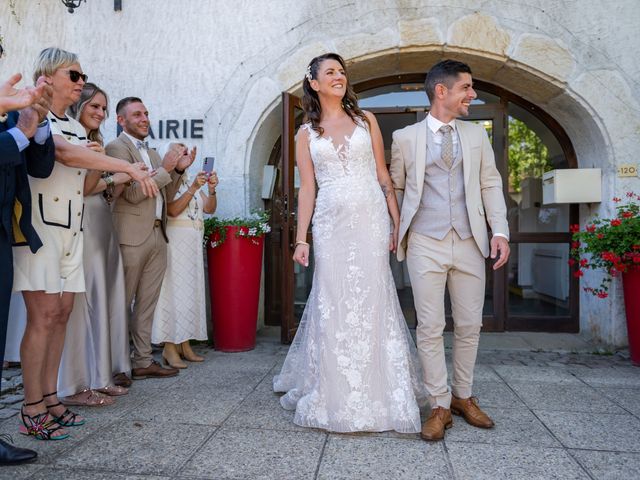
point(145, 157)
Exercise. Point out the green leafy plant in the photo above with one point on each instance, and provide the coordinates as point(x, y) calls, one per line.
point(608, 244)
point(255, 225)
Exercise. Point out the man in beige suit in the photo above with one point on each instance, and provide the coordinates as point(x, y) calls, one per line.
point(444, 174)
point(140, 222)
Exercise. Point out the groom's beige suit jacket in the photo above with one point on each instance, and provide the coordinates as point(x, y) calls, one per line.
point(482, 182)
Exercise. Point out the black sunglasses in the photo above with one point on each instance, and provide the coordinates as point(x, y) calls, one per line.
point(75, 76)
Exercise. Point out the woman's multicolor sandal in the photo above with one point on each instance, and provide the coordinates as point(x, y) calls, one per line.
point(40, 426)
point(68, 418)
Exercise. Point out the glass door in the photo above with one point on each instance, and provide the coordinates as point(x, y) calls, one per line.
point(293, 280)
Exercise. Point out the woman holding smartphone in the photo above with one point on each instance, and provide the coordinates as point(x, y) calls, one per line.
point(181, 311)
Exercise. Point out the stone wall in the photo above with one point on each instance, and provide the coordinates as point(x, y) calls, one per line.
point(228, 61)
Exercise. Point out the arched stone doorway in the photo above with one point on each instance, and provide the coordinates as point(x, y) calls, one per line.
point(553, 105)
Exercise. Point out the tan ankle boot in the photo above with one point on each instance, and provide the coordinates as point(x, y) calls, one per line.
point(171, 357)
point(188, 354)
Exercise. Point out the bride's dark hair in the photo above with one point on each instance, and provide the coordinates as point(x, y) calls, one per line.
point(311, 102)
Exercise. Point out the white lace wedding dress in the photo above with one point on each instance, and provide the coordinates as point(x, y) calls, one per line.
point(352, 365)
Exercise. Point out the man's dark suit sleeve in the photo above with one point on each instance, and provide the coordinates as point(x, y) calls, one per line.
point(40, 158)
point(9, 153)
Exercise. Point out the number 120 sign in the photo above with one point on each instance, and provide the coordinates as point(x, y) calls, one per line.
point(628, 170)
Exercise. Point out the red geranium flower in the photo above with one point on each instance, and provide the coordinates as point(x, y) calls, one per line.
point(574, 228)
point(571, 262)
point(608, 244)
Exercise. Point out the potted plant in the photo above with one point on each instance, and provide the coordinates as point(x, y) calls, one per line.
point(234, 258)
point(613, 246)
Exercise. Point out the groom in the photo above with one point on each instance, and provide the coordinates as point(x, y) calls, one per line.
point(445, 177)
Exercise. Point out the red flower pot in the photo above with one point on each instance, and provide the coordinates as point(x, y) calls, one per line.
point(631, 287)
point(234, 286)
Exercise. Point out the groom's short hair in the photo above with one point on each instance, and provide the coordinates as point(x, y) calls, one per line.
point(443, 72)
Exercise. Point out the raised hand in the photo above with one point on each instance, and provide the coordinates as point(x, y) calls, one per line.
point(140, 173)
point(12, 98)
point(43, 105)
point(28, 121)
point(187, 159)
point(170, 159)
point(199, 181)
point(213, 181)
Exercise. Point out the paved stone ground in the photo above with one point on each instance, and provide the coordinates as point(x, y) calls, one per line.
point(561, 412)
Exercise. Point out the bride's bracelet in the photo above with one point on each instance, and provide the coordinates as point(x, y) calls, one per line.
point(301, 242)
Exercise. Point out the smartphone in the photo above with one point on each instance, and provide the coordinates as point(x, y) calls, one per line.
point(207, 164)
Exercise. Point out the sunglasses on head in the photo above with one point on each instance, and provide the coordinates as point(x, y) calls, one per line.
point(74, 75)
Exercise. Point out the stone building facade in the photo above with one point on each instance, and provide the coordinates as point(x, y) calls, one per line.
point(215, 69)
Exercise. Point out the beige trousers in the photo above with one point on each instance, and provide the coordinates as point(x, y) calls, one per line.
point(144, 267)
point(458, 265)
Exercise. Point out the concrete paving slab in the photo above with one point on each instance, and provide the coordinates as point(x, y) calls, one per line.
point(609, 465)
point(499, 341)
point(564, 398)
point(492, 462)
point(596, 432)
point(484, 373)
point(346, 457)
point(524, 373)
point(19, 472)
point(257, 454)
point(556, 342)
point(618, 377)
point(136, 447)
point(190, 404)
point(497, 395)
point(261, 409)
point(627, 398)
point(85, 474)
point(513, 426)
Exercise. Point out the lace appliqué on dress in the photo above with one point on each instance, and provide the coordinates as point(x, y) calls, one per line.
point(352, 365)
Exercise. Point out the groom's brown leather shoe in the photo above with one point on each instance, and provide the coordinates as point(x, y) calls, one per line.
point(469, 409)
point(439, 420)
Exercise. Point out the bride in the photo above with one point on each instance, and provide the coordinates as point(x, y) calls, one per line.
point(352, 365)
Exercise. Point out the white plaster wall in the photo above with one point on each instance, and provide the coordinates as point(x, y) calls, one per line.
point(228, 61)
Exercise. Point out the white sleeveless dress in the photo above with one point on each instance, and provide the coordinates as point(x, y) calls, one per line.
point(353, 365)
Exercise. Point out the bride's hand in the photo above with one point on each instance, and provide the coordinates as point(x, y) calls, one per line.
point(393, 240)
point(301, 255)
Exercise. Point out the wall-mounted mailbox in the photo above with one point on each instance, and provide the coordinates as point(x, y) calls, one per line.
point(572, 185)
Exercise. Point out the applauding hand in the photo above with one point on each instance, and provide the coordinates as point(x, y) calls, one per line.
point(140, 173)
point(186, 159)
point(12, 98)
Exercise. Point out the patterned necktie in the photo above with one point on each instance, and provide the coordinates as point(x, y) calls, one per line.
point(142, 144)
point(446, 151)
